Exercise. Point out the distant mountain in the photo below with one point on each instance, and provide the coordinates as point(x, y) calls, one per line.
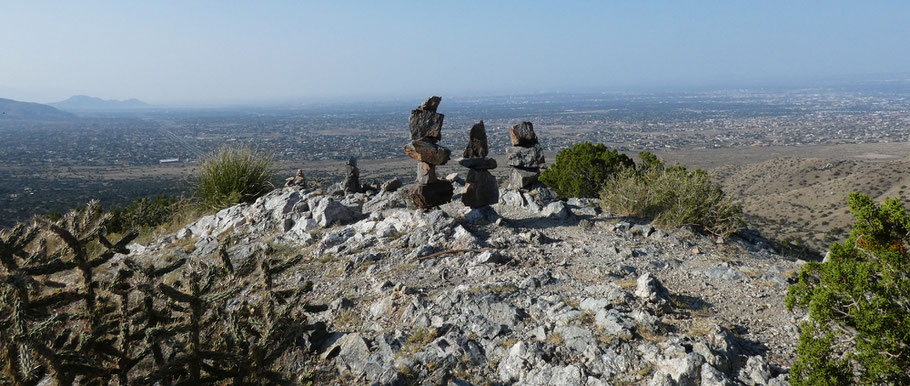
point(84, 102)
point(11, 109)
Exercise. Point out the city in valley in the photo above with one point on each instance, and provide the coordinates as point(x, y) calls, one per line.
point(53, 164)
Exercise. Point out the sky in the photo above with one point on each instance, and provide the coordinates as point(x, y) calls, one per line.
point(224, 52)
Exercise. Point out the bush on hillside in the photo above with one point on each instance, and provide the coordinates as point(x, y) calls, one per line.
point(581, 170)
point(143, 213)
point(858, 329)
point(672, 196)
point(233, 175)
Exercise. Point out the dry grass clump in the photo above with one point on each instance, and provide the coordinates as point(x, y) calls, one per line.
point(233, 175)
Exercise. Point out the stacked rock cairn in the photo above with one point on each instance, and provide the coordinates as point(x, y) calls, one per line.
point(480, 188)
point(352, 181)
point(525, 157)
point(297, 180)
point(425, 125)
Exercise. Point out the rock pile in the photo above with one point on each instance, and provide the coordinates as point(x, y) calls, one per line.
point(352, 181)
point(297, 180)
point(480, 186)
point(425, 125)
point(525, 156)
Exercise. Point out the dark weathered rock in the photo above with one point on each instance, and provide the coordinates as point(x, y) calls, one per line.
point(426, 125)
point(477, 145)
point(352, 181)
point(478, 163)
point(523, 178)
point(391, 185)
point(525, 157)
point(426, 173)
point(431, 195)
point(480, 189)
point(431, 104)
point(522, 134)
point(428, 152)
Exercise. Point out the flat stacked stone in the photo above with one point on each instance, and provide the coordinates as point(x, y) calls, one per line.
point(352, 181)
point(480, 188)
point(525, 156)
point(425, 125)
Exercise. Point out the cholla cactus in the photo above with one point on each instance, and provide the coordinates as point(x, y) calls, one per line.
point(131, 326)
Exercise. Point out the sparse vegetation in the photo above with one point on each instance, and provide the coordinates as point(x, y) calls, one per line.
point(859, 319)
point(581, 170)
point(68, 313)
point(672, 196)
point(233, 175)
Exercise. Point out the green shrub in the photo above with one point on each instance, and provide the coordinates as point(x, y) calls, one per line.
point(581, 170)
point(858, 329)
point(233, 175)
point(671, 196)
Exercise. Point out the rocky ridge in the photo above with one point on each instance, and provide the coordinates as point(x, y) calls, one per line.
point(531, 290)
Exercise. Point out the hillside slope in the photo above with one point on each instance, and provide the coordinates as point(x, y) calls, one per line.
point(530, 292)
point(13, 109)
point(805, 198)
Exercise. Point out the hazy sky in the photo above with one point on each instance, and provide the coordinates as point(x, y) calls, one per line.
point(202, 52)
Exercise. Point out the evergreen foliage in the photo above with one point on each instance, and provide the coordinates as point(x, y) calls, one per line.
point(859, 303)
point(233, 175)
point(581, 170)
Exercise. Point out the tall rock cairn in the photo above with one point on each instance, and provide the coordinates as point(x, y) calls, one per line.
point(352, 181)
point(480, 186)
point(425, 125)
point(525, 156)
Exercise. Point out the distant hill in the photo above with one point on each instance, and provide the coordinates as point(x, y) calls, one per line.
point(84, 102)
point(806, 198)
point(12, 109)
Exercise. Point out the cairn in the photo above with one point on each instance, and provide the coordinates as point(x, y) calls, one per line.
point(425, 125)
point(525, 157)
point(297, 180)
point(352, 181)
point(480, 186)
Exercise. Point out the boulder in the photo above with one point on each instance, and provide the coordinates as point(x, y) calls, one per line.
point(391, 185)
point(431, 195)
point(522, 134)
point(425, 125)
point(426, 173)
point(431, 104)
point(525, 157)
point(329, 212)
point(477, 145)
point(523, 178)
point(428, 152)
point(480, 189)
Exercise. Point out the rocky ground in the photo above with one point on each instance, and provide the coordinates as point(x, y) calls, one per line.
point(530, 291)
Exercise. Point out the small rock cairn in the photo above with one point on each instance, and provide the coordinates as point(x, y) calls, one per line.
point(297, 180)
point(425, 125)
point(352, 181)
point(525, 157)
point(480, 188)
